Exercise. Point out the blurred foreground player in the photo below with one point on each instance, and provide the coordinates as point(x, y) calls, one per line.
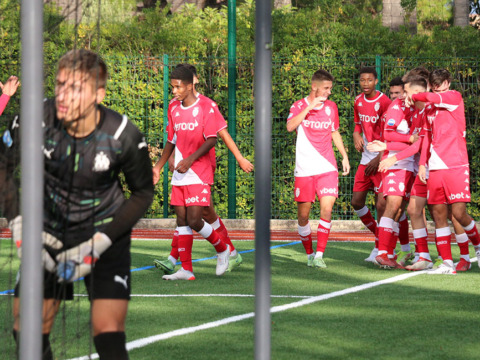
point(87, 220)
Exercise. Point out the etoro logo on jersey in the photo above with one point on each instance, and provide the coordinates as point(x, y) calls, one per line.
point(186, 126)
point(313, 124)
point(368, 118)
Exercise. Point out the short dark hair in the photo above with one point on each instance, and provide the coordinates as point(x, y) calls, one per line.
point(415, 80)
point(368, 70)
point(190, 67)
point(438, 76)
point(420, 71)
point(183, 74)
point(87, 62)
point(396, 81)
point(322, 75)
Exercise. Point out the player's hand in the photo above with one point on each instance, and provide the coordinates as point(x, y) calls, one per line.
point(345, 166)
point(387, 163)
point(372, 166)
point(376, 145)
point(408, 101)
point(184, 165)
point(78, 262)
point(358, 141)
point(413, 138)
point(245, 165)
point(316, 102)
point(156, 174)
point(422, 173)
point(10, 86)
point(171, 164)
point(50, 243)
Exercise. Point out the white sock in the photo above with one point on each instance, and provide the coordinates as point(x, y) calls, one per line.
point(319, 255)
point(172, 260)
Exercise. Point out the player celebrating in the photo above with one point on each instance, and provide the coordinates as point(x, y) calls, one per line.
point(315, 119)
point(86, 214)
point(449, 180)
point(209, 214)
point(400, 127)
point(368, 110)
point(192, 133)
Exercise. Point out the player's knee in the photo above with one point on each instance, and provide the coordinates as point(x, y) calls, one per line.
point(195, 224)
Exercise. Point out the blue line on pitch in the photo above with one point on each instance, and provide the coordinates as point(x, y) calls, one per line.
point(196, 260)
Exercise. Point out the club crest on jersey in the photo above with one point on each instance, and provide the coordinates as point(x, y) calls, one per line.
point(328, 111)
point(7, 138)
point(102, 162)
point(401, 186)
point(377, 106)
point(195, 111)
point(391, 122)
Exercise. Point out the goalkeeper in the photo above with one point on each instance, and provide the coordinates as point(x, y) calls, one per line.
point(88, 221)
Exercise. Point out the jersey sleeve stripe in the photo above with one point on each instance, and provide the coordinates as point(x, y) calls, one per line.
point(121, 127)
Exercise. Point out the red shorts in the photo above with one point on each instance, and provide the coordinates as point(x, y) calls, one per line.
point(365, 183)
point(190, 195)
point(397, 183)
point(323, 185)
point(449, 186)
point(419, 189)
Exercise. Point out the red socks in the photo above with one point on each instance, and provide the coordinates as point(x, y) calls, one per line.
point(323, 232)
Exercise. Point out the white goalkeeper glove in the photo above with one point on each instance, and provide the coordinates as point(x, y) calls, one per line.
point(48, 240)
point(78, 262)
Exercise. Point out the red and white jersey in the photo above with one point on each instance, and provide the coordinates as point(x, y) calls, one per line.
point(367, 113)
point(220, 124)
point(188, 128)
point(398, 119)
point(448, 148)
point(314, 151)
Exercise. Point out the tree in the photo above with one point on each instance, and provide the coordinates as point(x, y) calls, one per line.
point(460, 13)
point(396, 13)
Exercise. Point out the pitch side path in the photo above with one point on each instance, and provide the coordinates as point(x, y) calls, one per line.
point(276, 235)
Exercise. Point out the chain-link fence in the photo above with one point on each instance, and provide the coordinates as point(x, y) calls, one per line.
point(136, 88)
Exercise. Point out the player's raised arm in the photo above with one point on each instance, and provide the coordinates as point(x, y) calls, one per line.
point(295, 118)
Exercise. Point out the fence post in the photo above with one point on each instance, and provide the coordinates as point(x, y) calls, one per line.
point(378, 68)
point(232, 106)
point(166, 83)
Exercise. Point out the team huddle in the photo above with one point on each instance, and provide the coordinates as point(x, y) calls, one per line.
point(413, 153)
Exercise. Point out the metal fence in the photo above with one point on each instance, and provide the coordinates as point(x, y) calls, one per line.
point(137, 88)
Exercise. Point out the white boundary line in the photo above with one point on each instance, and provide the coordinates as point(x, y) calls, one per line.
point(190, 330)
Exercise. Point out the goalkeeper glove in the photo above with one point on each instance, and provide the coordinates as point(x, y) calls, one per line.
point(78, 262)
point(50, 243)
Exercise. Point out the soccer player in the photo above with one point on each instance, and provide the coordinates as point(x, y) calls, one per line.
point(209, 214)
point(396, 88)
point(400, 127)
point(315, 119)
point(449, 174)
point(192, 132)
point(87, 219)
point(369, 107)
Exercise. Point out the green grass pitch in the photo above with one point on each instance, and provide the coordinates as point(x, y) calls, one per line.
point(419, 317)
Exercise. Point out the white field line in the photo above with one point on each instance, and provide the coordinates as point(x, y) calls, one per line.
point(209, 295)
point(190, 330)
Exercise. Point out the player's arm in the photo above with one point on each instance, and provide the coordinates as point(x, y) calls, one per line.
point(137, 168)
point(167, 151)
point(337, 140)
point(8, 90)
point(245, 165)
point(449, 100)
point(357, 131)
point(185, 164)
point(295, 121)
